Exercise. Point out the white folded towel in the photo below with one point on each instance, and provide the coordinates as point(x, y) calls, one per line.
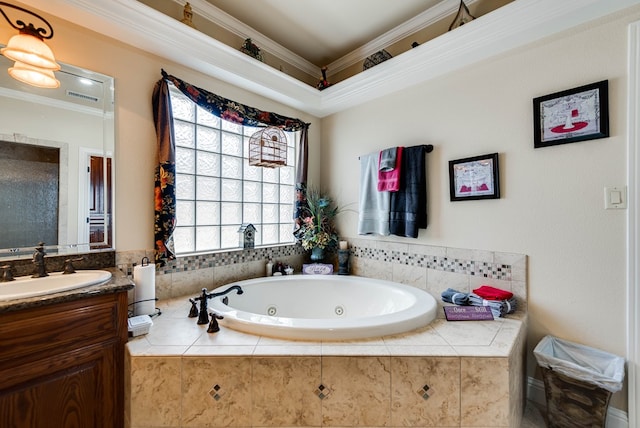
point(374, 206)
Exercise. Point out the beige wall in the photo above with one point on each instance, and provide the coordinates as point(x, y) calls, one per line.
point(551, 205)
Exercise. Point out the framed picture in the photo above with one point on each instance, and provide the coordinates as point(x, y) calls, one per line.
point(474, 178)
point(577, 114)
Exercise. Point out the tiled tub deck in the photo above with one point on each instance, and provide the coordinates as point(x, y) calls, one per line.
point(448, 374)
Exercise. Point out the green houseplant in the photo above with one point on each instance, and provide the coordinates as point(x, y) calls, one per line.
point(317, 231)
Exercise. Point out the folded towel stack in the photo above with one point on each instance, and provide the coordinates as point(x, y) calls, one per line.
point(500, 302)
point(454, 296)
point(499, 308)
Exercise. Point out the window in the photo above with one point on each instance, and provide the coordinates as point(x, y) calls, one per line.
point(216, 188)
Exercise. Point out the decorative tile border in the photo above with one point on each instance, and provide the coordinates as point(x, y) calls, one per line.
point(484, 269)
point(222, 258)
point(445, 264)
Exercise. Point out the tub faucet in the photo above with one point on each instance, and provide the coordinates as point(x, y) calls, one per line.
point(202, 314)
point(38, 260)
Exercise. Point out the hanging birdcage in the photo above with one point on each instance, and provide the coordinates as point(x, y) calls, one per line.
point(268, 148)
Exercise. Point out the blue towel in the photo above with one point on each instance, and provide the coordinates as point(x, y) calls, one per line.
point(454, 296)
point(408, 208)
point(499, 308)
point(388, 159)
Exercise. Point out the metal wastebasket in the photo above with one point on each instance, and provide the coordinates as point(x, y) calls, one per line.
point(578, 382)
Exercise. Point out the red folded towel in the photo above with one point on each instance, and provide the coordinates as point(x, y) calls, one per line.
point(491, 293)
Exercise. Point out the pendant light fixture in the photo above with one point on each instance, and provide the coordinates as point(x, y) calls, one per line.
point(34, 60)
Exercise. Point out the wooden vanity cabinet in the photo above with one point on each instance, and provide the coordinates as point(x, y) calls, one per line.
point(62, 365)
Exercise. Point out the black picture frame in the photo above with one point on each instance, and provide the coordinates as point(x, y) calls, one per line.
point(577, 114)
point(474, 178)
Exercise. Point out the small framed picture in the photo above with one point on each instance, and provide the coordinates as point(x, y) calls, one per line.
point(577, 114)
point(474, 178)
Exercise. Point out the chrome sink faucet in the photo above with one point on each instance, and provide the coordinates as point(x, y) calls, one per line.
point(38, 260)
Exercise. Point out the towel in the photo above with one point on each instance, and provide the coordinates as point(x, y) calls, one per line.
point(388, 159)
point(491, 293)
point(374, 206)
point(389, 178)
point(499, 308)
point(454, 296)
point(408, 211)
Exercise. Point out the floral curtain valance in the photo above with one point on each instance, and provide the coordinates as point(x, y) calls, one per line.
point(233, 111)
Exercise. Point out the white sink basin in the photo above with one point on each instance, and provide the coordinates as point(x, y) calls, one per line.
point(56, 282)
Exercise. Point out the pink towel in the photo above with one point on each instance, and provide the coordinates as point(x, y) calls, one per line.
point(491, 293)
point(389, 181)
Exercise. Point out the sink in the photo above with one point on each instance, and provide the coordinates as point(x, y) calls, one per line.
point(56, 282)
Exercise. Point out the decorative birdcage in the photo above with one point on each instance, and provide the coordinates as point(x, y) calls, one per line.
point(268, 148)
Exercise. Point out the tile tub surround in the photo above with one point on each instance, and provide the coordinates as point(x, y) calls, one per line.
point(467, 374)
point(429, 268)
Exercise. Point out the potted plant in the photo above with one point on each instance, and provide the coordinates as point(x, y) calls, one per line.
point(317, 231)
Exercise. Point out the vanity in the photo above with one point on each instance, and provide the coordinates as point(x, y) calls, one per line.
point(61, 351)
point(62, 358)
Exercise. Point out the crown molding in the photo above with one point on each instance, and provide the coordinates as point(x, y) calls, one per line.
point(412, 26)
point(512, 26)
point(242, 30)
point(223, 19)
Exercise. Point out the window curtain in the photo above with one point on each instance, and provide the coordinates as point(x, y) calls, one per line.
point(225, 109)
point(164, 191)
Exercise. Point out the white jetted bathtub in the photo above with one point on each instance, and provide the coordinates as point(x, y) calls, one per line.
point(324, 307)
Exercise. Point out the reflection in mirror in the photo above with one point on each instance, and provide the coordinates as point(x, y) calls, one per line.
point(56, 164)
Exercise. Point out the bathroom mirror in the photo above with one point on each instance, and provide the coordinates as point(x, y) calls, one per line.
point(56, 164)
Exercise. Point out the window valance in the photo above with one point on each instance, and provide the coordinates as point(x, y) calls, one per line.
point(233, 111)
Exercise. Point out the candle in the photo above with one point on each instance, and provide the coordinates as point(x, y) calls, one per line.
point(343, 245)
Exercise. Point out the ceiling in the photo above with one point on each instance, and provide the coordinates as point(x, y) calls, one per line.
point(322, 31)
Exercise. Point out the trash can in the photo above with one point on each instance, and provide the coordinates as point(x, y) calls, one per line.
point(578, 382)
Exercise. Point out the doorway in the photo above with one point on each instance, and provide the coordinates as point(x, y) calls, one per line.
point(95, 208)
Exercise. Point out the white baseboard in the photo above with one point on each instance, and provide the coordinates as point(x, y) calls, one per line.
point(615, 418)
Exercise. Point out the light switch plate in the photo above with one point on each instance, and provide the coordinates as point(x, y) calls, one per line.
point(615, 197)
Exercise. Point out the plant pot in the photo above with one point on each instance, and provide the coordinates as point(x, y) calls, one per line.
point(317, 254)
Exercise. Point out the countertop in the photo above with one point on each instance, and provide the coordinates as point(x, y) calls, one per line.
point(174, 334)
point(118, 282)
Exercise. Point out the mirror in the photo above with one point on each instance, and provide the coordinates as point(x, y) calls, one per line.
point(56, 163)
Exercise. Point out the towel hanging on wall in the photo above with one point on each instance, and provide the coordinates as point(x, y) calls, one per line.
point(373, 215)
point(408, 210)
point(389, 169)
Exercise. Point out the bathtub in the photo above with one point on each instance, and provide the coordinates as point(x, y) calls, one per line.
point(324, 307)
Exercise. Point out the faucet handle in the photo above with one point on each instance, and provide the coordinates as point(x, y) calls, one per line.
point(213, 325)
point(193, 312)
point(7, 273)
point(68, 265)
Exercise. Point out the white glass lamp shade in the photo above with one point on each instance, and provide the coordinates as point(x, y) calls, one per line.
point(42, 78)
point(30, 50)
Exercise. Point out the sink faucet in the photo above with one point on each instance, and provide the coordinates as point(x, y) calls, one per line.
point(38, 260)
point(202, 314)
